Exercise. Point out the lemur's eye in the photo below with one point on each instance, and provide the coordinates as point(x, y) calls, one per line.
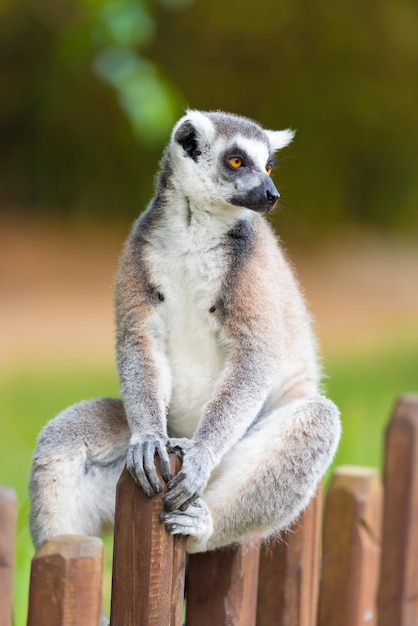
point(268, 169)
point(236, 162)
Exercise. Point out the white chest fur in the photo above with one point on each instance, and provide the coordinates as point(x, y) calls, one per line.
point(188, 266)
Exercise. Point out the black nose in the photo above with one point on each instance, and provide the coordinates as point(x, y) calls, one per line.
point(261, 198)
point(272, 197)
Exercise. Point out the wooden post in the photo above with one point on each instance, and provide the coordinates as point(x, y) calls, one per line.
point(289, 573)
point(148, 562)
point(398, 591)
point(222, 587)
point(8, 507)
point(351, 549)
point(66, 582)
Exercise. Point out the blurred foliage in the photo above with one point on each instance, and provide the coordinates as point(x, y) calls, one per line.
point(90, 89)
point(79, 97)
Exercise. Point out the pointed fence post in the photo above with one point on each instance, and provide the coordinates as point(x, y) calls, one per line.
point(222, 587)
point(351, 548)
point(66, 582)
point(148, 562)
point(398, 591)
point(289, 572)
point(8, 514)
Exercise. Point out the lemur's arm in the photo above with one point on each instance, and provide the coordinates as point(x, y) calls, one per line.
point(238, 398)
point(143, 373)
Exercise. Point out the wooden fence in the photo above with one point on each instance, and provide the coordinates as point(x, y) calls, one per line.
point(360, 567)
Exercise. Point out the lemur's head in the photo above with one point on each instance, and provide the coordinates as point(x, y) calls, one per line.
point(219, 159)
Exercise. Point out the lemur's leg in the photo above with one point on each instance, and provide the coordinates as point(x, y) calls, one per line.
point(264, 482)
point(77, 462)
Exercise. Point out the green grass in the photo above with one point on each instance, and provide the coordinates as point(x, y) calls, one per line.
point(28, 399)
point(363, 386)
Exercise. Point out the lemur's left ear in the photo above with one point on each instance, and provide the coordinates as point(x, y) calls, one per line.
point(191, 131)
point(280, 138)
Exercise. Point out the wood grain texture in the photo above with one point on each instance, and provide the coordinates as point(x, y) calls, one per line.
point(222, 587)
point(351, 548)
point(8, 513)
point(398, 590)
point(66, 582)
point(289, 573)
point(148, 562)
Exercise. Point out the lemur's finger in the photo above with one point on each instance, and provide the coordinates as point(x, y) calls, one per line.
point(136, 469)
point(178, 498)
point(178, 524)
point(165, 463)
point(188, 502)
point(176, 480)
point(150, 469)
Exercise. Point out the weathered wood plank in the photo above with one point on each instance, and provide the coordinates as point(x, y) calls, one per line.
point(66, 582)
point(8, 514)
point(148, 562)
point(398, 590)
point(222, 587)
point(289, 573)
point(311, 559)
point(351, 548)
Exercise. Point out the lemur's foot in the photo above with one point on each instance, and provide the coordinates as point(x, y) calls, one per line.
point(195, 522)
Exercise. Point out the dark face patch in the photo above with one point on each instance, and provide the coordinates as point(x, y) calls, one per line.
point(235, 152)
point(247, 163)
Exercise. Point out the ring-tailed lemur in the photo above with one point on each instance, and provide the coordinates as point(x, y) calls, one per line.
point(216, 359)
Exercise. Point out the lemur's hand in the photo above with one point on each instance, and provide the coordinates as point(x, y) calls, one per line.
point(141, 462)
point(195, 522)
point(190, 482)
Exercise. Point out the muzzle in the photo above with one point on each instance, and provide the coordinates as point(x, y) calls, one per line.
point(261, 198)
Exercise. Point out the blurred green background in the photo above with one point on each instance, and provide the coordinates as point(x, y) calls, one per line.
point(89, 92)
point(90, 89)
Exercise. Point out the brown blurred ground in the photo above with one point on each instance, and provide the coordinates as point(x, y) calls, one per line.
point(56, 291)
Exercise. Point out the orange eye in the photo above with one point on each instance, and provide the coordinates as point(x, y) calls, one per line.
point(236, 162)
point(269, 169)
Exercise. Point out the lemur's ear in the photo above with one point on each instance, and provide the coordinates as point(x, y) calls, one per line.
point(186, 136)
point(191, 131)
point(280, 138)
